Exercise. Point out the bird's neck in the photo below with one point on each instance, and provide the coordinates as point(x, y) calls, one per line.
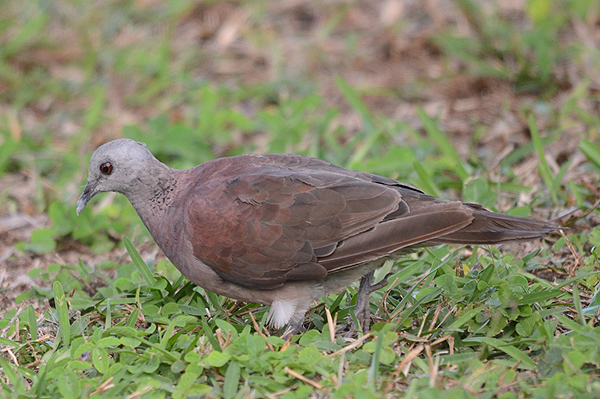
point(151, 204)
point(158, 210)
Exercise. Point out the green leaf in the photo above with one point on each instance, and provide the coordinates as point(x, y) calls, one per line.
point(178, 321)
point(109, 342)
point(232, 380)
point(477, 189)
point(69, 386)
point(210, 334)
point(525, 327)
point(100, 360)
point(577, 303)
point(42, 241)
point(7, 151)
point(444, 281)
point(218, 359)
point(108, 315)
point(62, 223)
point(374, 367)
point(133, 318)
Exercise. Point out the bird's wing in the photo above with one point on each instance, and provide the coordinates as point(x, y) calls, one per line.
point(266, 226)
point(261, 221)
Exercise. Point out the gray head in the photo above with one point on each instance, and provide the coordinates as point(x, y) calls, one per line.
point(120, 166)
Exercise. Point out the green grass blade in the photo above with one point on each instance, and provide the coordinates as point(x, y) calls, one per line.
point(543, 167)
point(576, 193)
point(139, 263)
point(32, 321)
point(32, 28)
point(591, 151)
point(427, 183)
point(374, 367)
point(133, 317)
point(443, 144)
point(578, 328)
point(108, 317)
point(179, 321)
point(361, 152)
point(64, 327)
point(539, 296)
point(93, 115)
point(573, 279)
point(406, 313)
point(515, 353)
point(464, 318)
point(408, 271)
point(559, 176)
point(577, 303)
point(210, 334)
point(357, 104)
point(18, 385)
point(133, 333)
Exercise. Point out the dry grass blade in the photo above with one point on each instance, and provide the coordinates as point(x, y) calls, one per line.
point(140, 392)
point(331, 324)
point(403, 364)
point(299, 376)
point(575, 266)
point(259, 331)
point(11, 322)
point(353, 345)
point(434, 366)
point(106, 385)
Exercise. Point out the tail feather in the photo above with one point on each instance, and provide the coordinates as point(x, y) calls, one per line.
point(495, 228)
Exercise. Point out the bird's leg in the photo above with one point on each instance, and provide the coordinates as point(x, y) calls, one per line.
point(363, 303)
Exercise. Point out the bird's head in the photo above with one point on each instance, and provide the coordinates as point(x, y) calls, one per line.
point(118, 165)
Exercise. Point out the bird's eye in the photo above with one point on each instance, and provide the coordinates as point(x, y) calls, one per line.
point(106, 168)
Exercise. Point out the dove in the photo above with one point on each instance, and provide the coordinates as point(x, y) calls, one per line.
point(284, 230)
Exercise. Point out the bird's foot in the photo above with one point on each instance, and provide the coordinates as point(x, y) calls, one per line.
point(380, 284)
point(292, 329)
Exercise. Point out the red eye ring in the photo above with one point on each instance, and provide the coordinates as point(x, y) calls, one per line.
point(106, 168)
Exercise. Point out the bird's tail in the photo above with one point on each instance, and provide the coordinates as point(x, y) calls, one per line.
point(495, 228)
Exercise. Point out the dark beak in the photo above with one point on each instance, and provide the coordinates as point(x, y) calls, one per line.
point(88, 192)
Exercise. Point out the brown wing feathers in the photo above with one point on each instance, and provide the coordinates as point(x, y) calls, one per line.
point(392, 235)
point(279, 222)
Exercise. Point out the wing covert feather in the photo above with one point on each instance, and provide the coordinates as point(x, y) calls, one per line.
point(262, 229)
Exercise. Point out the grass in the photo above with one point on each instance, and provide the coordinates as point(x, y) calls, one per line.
point(466, 322)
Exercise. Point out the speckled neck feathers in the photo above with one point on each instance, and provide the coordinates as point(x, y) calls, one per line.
point(153, 194)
